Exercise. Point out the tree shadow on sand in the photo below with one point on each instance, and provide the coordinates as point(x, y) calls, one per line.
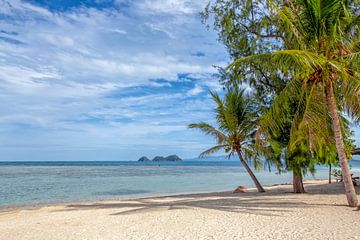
point(272, 203)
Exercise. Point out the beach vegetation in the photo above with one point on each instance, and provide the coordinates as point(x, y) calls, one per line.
point(302, 58)
point(236, 117)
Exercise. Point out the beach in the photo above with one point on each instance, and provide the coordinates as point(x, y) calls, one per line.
point(321, 213)
point(179, 120)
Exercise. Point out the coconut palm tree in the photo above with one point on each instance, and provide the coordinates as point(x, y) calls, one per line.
point(323, 58)
point(247, 28)
point(306, 138)
point(236, 118)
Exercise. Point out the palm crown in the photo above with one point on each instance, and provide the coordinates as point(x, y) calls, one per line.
point(237, 121)
point(321, 38)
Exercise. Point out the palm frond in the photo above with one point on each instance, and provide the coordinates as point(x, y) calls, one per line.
point(350, 91)
point(277, 117)
point(213, 150)
point(289, 23)
point(226, 121)
point(210, 130)
point(300, 63)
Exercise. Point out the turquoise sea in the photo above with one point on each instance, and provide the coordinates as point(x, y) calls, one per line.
point(33, 183)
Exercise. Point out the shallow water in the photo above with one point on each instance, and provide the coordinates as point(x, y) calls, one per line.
point(32, 183)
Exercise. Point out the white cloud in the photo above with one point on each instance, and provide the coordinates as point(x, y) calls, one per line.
point(19, 75)
point(64, 75)
point(195, 91)
point(171, 6)
point(80, 45)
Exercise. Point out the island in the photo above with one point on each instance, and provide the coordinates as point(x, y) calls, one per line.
point(144, 159)
point(171, 158)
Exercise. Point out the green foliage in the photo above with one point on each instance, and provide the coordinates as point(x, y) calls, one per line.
point(236, 116)
point(288, 51)
point(322, 35)
point(336, 173)
point(246, 28)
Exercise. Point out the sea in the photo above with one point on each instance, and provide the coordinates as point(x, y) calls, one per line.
point(29, 183)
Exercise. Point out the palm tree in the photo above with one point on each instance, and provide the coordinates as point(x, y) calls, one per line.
point(309, 140)
point(236, 118)
point(323, 55)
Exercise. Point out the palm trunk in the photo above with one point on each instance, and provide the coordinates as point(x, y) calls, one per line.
point(298, 185)
point(349, 187)
point(252, 175)
point(330, 173)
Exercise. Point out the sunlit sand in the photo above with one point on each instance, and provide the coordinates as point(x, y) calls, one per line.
point(321, 213)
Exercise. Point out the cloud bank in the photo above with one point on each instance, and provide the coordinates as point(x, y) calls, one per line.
point(104, 80)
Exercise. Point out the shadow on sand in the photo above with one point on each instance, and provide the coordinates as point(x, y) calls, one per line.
point(274, 202)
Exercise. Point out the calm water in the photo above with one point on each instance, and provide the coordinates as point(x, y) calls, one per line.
point(31, 183)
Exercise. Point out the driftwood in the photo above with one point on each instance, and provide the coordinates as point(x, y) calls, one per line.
point(240, 189)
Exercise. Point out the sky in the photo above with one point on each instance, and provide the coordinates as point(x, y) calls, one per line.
point(105, 79)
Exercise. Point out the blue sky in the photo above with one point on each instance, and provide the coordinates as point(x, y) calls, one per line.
point(104, 79)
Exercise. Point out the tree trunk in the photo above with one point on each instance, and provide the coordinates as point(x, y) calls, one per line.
point(298, 185)
point(330, 173)
point(252, 175)
point(349, 187)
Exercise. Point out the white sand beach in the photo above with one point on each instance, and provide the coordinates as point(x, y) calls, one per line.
point(321, 213)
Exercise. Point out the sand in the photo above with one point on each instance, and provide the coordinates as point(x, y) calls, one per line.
point(277, 214)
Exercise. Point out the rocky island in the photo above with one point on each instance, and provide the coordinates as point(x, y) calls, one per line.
point(144, 159)
point(171, 158)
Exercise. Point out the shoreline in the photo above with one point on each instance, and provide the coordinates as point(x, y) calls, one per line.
point(125, 183)
point(321, 213)
point(28, 207)
point(54, 203)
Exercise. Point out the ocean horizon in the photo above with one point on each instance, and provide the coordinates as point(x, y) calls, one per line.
point(32, 183)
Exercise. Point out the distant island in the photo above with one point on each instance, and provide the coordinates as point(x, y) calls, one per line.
point(171, 158)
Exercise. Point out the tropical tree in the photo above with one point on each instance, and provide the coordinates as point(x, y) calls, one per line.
point(307, 140)
point(323, 60)
point(236, 117)
point(247, 28)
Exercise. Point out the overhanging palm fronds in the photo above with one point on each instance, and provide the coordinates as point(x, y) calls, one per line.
point(321, 38)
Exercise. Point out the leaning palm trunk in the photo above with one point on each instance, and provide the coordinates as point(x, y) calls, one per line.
point(298, 185)
point(237, 117)
point(349, 187)
point(252, 175)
